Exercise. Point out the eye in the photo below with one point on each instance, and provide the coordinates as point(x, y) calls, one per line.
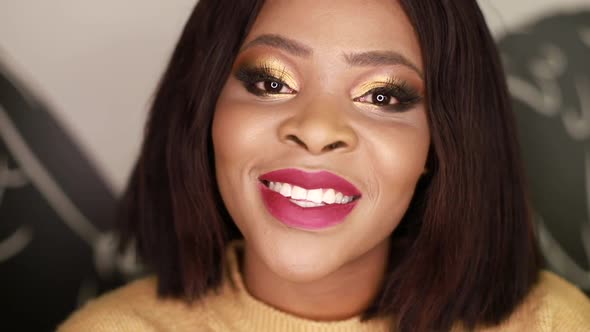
point(273, 87)
point(263, 81)
point(391, 96)
point(378, 97)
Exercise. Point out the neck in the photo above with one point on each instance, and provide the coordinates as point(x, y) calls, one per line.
point(345, 293)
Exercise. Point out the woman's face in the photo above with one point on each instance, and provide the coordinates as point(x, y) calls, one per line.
point(330, 95)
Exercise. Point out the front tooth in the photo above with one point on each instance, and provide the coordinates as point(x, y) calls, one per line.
point(300, 203)
point(298, 193)
point(285, 190)
point(314, 195)
point(329, 196)
point(338, 198)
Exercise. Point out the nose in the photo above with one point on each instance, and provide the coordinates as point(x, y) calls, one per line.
point(319, 127)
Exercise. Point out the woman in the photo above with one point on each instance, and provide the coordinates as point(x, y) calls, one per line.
point(367, 154)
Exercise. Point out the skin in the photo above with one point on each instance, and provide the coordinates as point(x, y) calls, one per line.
point(333, 273)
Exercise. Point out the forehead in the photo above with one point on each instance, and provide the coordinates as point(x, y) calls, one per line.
point(337, 26)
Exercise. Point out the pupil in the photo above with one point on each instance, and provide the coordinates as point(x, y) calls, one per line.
point(273, 86)
point(381, 99)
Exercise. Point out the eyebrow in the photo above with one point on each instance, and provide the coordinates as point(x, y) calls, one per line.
point(285, 44)
point(381, 58)
point(363, 59)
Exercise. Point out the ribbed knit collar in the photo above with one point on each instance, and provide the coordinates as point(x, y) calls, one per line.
point(255, 315)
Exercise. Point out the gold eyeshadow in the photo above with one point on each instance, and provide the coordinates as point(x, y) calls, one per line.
point(252, 71)
point(272, 66)
point(375, 83)
point(405, 96)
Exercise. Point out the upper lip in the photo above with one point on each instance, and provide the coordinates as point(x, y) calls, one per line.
point(312, 180)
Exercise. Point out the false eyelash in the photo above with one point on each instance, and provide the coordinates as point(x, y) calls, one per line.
point(406, 95)
point(250, 75)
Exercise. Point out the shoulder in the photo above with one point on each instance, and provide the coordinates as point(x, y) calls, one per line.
point(564, 305)
point(135, 307)
point(553, 304)
point(118, 310)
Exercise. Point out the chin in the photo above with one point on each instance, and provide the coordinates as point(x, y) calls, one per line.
point(299, 261)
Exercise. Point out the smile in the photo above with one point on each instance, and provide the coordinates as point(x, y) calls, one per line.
point(308, 200)
point(313, 197)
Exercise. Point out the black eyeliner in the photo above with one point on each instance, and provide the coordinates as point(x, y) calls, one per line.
point(249, 75)
point(406, 96)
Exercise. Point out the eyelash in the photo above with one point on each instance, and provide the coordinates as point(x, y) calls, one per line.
point(405, 95)
point(250, 76)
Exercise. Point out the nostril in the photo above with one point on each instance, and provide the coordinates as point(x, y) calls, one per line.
point(334, 145)
point(296, 140)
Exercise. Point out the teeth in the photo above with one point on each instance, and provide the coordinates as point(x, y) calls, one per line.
point(329, 196)
point(285, 190)
point(298, 193)
point(338, 198)
point(306, 203)
point(314, 195)
point(309, 198)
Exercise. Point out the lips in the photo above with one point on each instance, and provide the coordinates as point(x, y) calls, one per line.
point(294, 215)
point(315, 180)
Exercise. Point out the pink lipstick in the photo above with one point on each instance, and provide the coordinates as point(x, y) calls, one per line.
point(287, 208)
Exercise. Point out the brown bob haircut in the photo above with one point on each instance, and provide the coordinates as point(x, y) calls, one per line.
point(465, 251)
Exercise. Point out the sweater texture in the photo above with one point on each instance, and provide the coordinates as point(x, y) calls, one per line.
point(552, 305)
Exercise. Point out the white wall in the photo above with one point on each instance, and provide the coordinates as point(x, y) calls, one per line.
point(96, 63)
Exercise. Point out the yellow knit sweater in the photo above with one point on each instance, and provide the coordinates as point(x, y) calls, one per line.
point(553, 305)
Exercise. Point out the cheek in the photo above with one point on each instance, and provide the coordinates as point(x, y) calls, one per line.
point(237, 134)
point(397, 160)
point(402, 160)
point(399, 167)
point(228, 148)
point(241, 136)
point(234, 149)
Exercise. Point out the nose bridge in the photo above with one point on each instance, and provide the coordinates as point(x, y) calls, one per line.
point(319, 126)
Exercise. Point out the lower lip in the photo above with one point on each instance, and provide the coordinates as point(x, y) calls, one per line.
point(296, 216)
